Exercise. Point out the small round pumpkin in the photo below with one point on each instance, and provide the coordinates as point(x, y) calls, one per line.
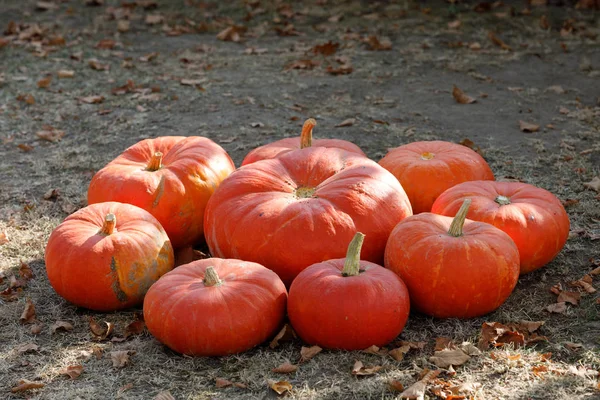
point(347, 303)
point(105, 256)
point(425, 169)
point(453, 268)
point(172, 177)
point(280, 147)
point(215, 307)
point(533, 217)
point(302, 208)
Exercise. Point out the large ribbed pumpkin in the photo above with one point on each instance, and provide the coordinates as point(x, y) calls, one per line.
point(275, 149)
point(172, 177)
point(451, 269)
point(533, 217)
point(105, 256)
point(425, 169)
point(348, 303)
point(302, 208)
point(215, 307)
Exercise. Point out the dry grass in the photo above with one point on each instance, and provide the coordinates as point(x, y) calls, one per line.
point(408, 88)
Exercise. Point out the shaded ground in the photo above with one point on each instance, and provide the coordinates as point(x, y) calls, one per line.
point(243, 94)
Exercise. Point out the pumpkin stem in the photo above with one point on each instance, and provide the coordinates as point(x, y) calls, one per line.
point(155, 162)
point(109, 224)
point(352, 263)
point(502, 200)
point(211, 278)
point(306, 136)
point(456, 228)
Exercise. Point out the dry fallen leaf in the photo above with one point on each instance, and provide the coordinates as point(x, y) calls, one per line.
point(26, 348)
point(65, 73)
point(61, 326)
point(25, 271)
point(415, 391)
point(149, 57)
point(528, 127)
point(45, 82)
point(232, 34)
point(280, 387)
point(100, 331)
point(326, 49)
point(135, 328)
point(461, 97)
point(398, 353)
point(374, 43)
point(96, 65)
point(569, 297)
point(573, 346)
point(360, 370)
point(306, 353)
point(497, 334)
point(498, 42)
point(120, 358)
point(25, 384)
point(346, 122)
point(106, 44)
point(558, 308)
point(301, 64)
point(395, 386)
point(221, 383)
point(28, 314)
point(594, 184)
point(286, 334)
point(285, 368)
point(92, 99)
point(50, 135)
point(3, 238)
point(448, 357)
point(72, 370)
point(586, 282)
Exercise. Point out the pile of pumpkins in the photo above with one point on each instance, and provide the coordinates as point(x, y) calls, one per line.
point(317, 217)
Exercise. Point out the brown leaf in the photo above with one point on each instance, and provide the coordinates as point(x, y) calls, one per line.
point(28, 314)
point(92, 99)
point(306, 353)
point(285, 368)
point(100, 331)
point(395, 386)
point(61, 326)
point(442, 343)
point(232, 33)
point(72, 370)
point(192, 82)
point(27, 98)
point(135, 328)
point(528, 127)
point(26, 348)
point(301, 64)
point(470, 144)
point(497, 334)
point(164, 395)
point(120, 358)
point(154, 19)
point(96, 65)
point(286, 334)
point(414, 391)
point(573, 346)
point(398, 353)
point(346, 122)
point(498, 42)
point(64, 73)
point(326, 49)
point(280, 387)
point(531, 326)
point(469, 349)
point(25, 271)
point(149, 57)
point(51, 135)
point(45, 82)
point(51, 194)
point(448, 357)
point(287, 30)
point(221, 383)
point(343, 69)
point(586, 282)
point(372, 350)
point(558, 308)
point(594, 184)
point(461, 97)
point(24, 385)
point(569, 297)
point(107, 44)
point(360, 370)
point(375, 44)
point(3, 238)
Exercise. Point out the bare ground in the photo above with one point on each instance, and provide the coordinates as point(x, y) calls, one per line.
point(550, 77)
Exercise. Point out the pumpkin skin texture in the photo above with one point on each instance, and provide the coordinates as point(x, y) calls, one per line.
point(333, 309)
point(176, 193)
point(533, 217)
point(425, 169)
point(449, 276)
point(302, 208)
point(226, 306)
point(107, 272)
point(283, 146)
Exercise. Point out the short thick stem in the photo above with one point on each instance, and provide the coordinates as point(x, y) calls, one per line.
point(456, 228)
point(306, 136)
point(352, 263)
point(155, 162)
point(502, 200)
point(110, 221)
point(211, 278)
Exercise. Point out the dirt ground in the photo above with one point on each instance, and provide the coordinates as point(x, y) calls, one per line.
point(391, 74)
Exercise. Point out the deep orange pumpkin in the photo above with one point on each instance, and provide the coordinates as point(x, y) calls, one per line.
point(426, 169)
point(453, 270)
point(533, 217)
point(105, 256)
point(171, 177)
point(215, 307)
point(302, 208)
point(347, 303)
point(280, 147)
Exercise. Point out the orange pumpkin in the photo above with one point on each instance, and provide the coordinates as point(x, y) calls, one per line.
point(302, 208)
point(215, 307)
point(348, 303)
point(533, 217)
point(171, 177)
point(280, 147)
point(105, 256)
point(426, 169)
point(453, 270)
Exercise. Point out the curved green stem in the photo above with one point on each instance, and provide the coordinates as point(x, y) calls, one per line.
point(456, 228)
point(352, 263)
